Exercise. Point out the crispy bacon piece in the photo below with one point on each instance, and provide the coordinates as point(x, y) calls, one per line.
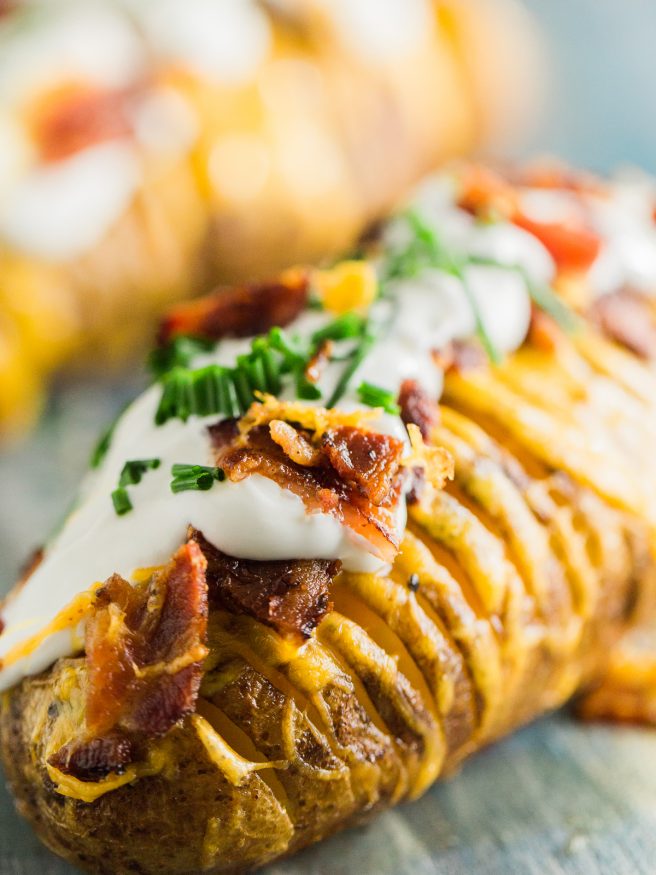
point(295, 444)
point(144, 648)
point(483, 192)
point(317, 364)
point(291, 596)
point(627, 317)
point(417, 407)
point(74, 117)
point(544, 333)
point(96, 758)
point(343, 491)
point(365, 458)
point(239, 312)
point(460, 356)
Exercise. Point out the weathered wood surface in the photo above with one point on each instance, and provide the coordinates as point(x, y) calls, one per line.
point(556, 798)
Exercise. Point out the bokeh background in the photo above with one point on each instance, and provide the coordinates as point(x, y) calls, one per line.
point(600, 107)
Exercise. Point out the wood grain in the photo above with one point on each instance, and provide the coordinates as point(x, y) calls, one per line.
point(556, 798)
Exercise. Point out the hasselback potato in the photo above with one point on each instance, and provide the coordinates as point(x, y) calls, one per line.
point(152, 149)
point(241, 686)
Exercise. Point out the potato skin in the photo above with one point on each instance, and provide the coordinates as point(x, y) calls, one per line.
point(137, 828)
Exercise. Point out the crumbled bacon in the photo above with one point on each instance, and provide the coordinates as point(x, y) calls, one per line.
point(484, 192)
point(368, 459)
point(544, 333)
point(627, 317)
point(96, 758)
point(417, 407)
point(291, 596)
point(460, 356)
point(241, 311)
point(317, 364)
point(76, 117)
point(295, 444)
point(144, 648)
point(343, 491)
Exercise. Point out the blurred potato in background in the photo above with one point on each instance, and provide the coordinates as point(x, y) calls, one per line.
point(153, 148)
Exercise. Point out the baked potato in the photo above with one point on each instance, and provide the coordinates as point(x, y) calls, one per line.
point(339, 557)
point(152, 149)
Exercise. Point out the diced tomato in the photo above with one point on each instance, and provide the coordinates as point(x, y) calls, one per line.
point(573, 245)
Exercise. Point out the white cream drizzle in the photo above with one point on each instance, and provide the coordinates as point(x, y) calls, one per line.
point(256, 518)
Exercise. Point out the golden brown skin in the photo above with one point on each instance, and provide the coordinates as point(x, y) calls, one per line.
point(512, 591)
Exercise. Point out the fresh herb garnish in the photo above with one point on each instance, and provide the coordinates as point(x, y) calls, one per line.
point(542, 295)
point(134, 470)
point(195, 477)
point(229, 391)
point(102, 447)
point(375, 396)
point(360, 352)
point(131, 474)
point(425, 250)
point(104, 442)
point(348, 325)
point(178, 353)
point(121, 501)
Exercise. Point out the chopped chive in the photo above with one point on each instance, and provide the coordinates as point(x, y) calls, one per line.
point(547, 300)
point(242, 389)
point(278, 340)
point(134, 470)
point(195, 477)
point(102, 447)
point(375, 396)
point(306, 390)
point(131, 475)
point(359, 355)
point(270, 367)
point(104, 442)
point(121, 501)
point(179, 352)
point(346, 326)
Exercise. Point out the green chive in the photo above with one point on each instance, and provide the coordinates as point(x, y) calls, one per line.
point(346, 326)
point(102, 447)
point(195, 477)
point(121, 501)
point(359, 355)
point(375, 396)
point(180, 352)
point(134, 470)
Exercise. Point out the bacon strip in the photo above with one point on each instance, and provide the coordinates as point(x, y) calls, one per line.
point(417, 407)
point(358, 478)
point(76, 117)
point(291, 596)
point(241, 311)
point(627, 317)
point(144, 649)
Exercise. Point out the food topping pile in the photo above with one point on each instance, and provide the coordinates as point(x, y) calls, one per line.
point(288, 423)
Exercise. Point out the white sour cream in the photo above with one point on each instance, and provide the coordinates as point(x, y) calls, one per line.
point(58, 211)
point(256, 518)
point(226, 40)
